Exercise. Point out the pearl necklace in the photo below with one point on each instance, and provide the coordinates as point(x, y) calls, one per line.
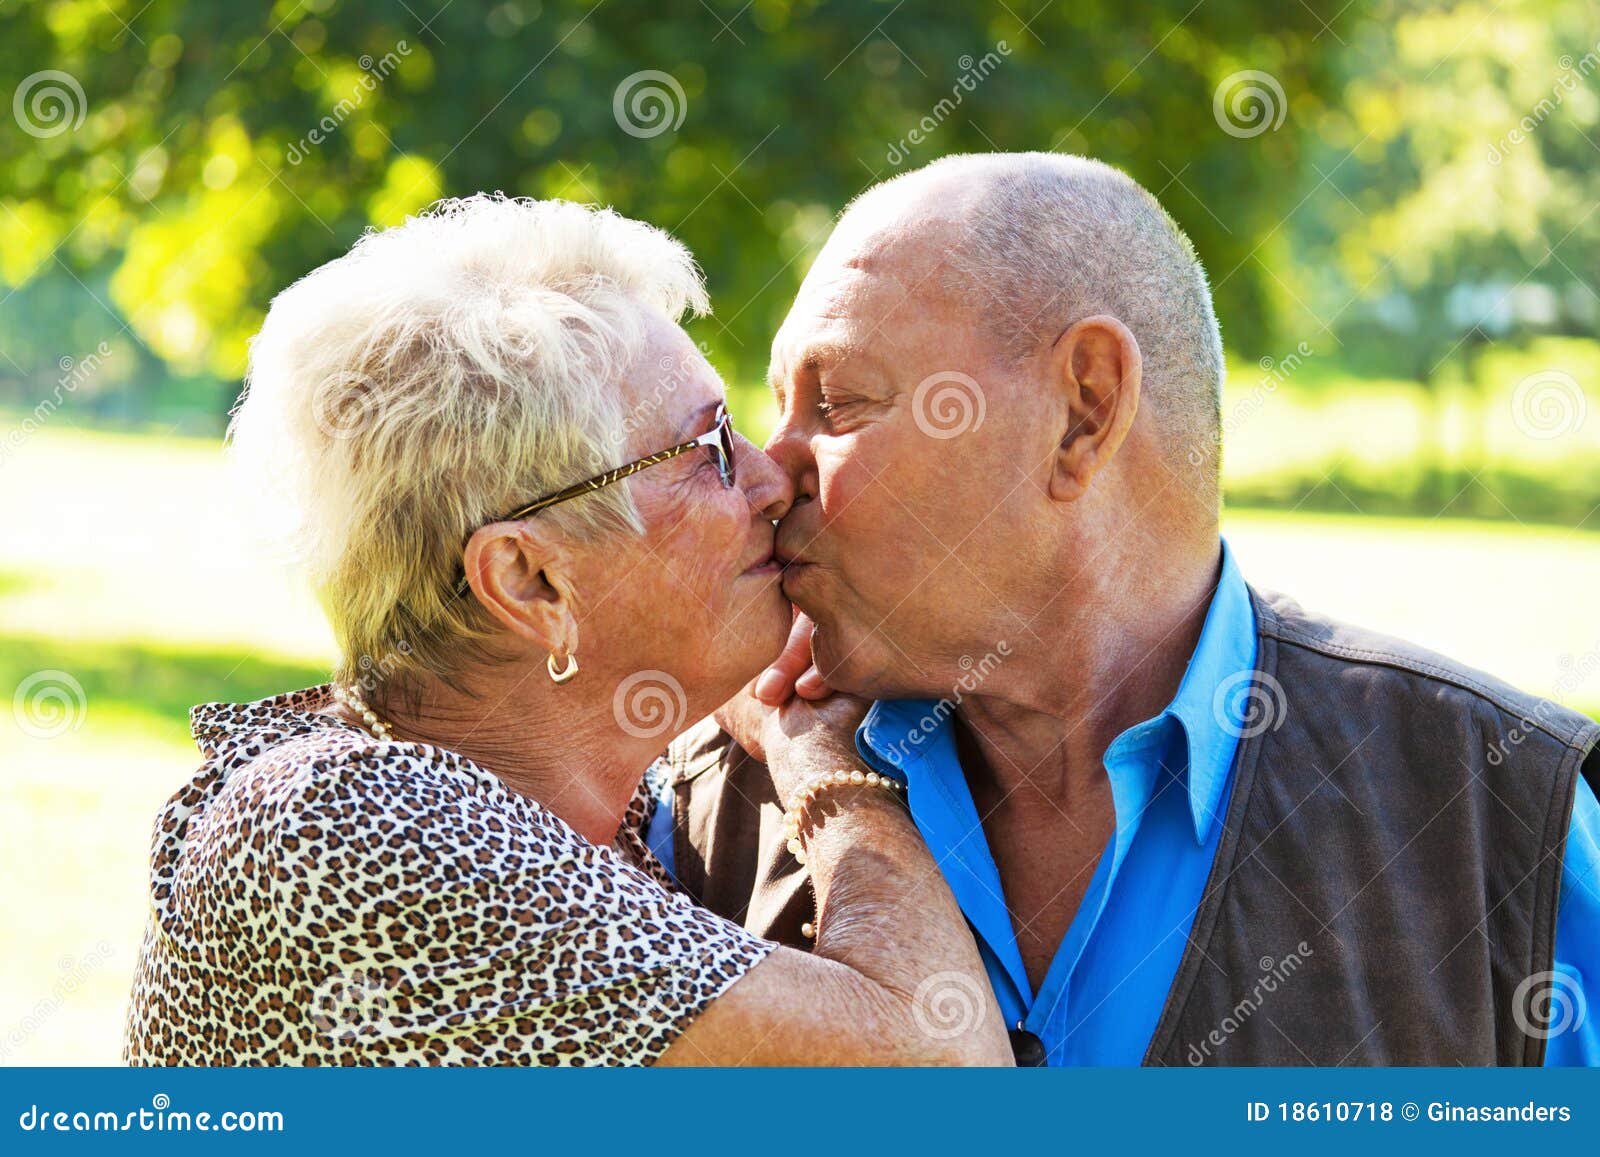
point(351, 698)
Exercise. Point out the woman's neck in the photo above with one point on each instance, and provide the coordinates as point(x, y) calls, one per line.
point(547, 743)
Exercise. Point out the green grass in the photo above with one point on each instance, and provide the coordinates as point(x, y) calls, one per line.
point(124, 565)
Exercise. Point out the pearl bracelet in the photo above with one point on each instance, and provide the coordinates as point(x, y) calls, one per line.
point(794, 818)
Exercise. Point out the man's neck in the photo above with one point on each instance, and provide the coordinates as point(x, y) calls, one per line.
point(1111, 659)
point(1033, 740)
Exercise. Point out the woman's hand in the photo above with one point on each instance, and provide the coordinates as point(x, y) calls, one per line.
point(806, 738)
point(745, 716)
point(792, 672)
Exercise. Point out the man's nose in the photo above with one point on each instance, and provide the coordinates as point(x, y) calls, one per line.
point(790, 449)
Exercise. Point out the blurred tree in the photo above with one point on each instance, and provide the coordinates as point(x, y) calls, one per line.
point(1463, 152)
point(224, 150)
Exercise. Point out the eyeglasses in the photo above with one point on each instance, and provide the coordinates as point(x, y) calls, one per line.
point(718, 440)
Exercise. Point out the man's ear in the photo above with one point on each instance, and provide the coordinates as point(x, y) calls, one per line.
point(523, 577)
point(1097, 367)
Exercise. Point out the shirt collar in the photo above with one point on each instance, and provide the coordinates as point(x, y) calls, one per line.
point(1214, 699)
point(1212, 707)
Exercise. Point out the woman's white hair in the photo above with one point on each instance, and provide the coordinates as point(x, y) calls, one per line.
point(438, 375)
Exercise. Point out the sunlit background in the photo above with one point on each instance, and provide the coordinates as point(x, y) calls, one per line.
point(1396, 202)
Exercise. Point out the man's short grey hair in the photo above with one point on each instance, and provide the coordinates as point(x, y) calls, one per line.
point(438, 375)
point(1052, 239)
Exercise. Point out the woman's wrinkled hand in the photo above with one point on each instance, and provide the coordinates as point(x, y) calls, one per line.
point(791, 720)
point(792, 672)
point(806, 738)
point(745, 715)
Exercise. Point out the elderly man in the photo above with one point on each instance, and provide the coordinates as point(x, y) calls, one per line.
point(1188, 821)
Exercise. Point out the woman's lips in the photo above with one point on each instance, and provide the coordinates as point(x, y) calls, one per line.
point(767, 566)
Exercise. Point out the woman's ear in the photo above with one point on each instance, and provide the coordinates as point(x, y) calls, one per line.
point(1097, 367)
point(523, 578)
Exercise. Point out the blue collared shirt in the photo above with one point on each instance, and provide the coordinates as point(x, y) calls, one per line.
point(1170, 781)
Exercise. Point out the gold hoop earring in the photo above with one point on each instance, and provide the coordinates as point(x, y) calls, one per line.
point(565, 675)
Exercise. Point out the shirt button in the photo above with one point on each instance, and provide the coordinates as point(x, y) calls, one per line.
point(1027, 1049)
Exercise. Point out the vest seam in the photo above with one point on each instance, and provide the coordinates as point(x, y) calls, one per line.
point(1452, 676)
point(1558, 810)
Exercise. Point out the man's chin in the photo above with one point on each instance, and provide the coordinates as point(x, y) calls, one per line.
point(843, 666)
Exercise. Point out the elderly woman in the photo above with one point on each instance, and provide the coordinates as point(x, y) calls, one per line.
point(544, 551)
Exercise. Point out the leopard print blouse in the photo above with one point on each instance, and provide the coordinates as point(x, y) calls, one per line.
point(321, 897)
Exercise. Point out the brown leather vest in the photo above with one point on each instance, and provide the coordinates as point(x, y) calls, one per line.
point(1398, 815)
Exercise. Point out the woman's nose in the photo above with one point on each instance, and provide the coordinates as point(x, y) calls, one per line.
point(766, 487)
point(789, 449)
